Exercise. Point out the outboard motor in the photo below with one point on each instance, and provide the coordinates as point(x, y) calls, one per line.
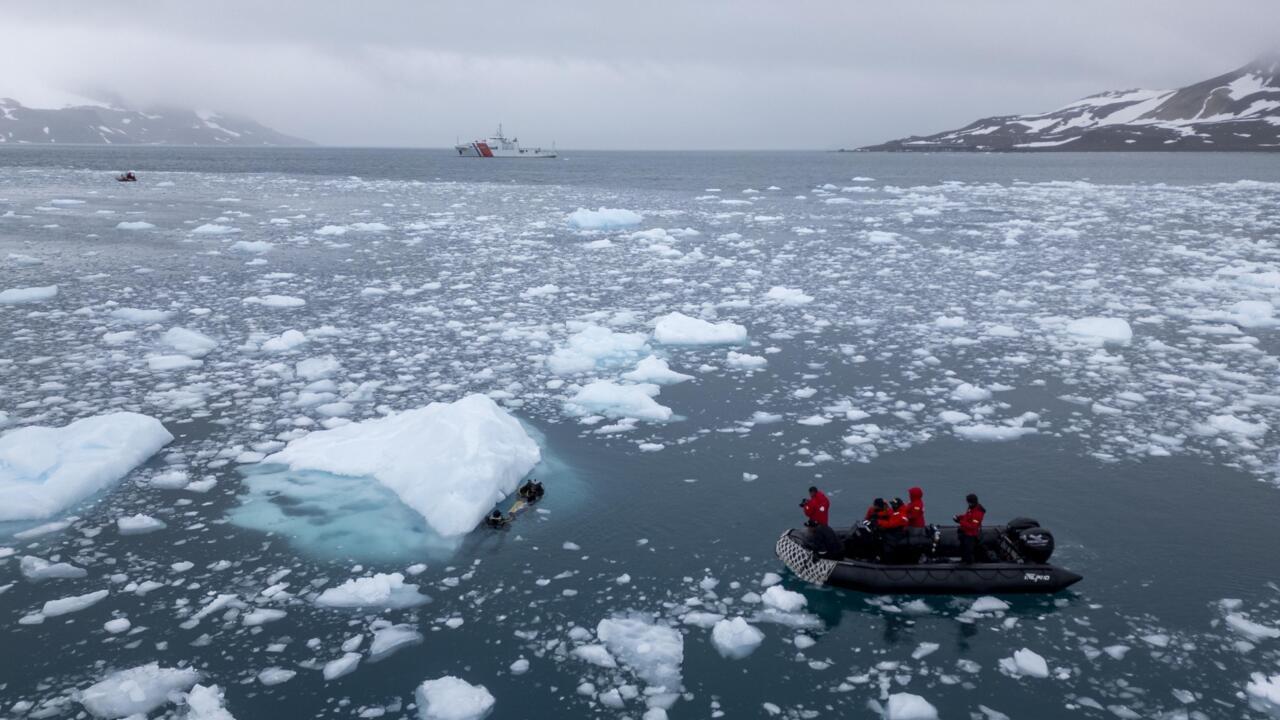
point(1035, 544)
point(1018, 524)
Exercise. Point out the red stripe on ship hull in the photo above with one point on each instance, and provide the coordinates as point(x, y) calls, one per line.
point(484, 149)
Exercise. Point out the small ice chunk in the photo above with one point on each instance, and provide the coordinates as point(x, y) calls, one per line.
point(735, 638)
point(388, 640)
point(206, 702)
point(36, 569)
point(344, 665)
point(906, 706)
point(1026, 662)
point(382, 590)
point(603, 218)
point(655, 370)
point(275, 676)
point(75, 603)
point(188, 342)
point(787, 296)
point(452, 698)
point(987, 604)
point(17, 296)
point(115, 626)
point(783, 600)
point(139, 524)
point(1099, 331)
point(679, 329)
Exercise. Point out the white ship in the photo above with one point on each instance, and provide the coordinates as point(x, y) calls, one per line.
point(500, 146)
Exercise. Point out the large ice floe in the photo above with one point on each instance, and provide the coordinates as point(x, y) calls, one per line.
point(603, 218)
point(679, 329)
point(137, 691)
point(450, 462)
point(45, 470)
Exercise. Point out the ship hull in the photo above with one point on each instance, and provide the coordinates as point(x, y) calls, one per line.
point(484, 150)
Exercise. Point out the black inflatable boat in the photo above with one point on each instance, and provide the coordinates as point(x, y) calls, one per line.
point(1014, 559)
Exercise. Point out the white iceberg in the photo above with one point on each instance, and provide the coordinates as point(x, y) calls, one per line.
point(205, 702)
point(906, 706)
point(450, 462)
point(679, 329)
point(188, 342)
point(45, 470)
point(139, 524)
point(787, 296)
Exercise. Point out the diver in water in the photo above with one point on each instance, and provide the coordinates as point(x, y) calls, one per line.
point(531, 491)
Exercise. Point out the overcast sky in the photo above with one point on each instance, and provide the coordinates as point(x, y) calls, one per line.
point(641, 74)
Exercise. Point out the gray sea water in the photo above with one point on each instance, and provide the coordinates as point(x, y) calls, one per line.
point(941, 292)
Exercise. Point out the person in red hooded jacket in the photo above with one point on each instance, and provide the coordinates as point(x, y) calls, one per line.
point(817, 508)
point(971, 528)
point(914, 509)
point(892, 528)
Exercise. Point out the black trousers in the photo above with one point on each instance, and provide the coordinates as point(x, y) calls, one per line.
point(968, 548)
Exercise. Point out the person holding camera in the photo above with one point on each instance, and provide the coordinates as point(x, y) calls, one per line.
point(816, 508)
point(970, 528)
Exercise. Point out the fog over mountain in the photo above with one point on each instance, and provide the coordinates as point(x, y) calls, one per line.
point(717, 74)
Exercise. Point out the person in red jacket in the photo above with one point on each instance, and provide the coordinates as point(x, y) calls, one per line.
point(816, 508)
point(878, 509)
point(914, 509)
point(970, 528)
point(892, 529)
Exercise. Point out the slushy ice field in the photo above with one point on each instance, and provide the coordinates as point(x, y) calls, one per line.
point(677, 363)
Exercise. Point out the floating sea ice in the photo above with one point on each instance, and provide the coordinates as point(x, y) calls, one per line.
point(653, 652)
point(519, 667)
point(735, 638)
point(991, 433)
point(924, 649)
point(134, 225)
point(1026, 662)
point(206, 702)
point(1233, 425)
point(45, 470)
point(1250, 629)
point(275, 676)
point(252, 247)
point(597, 655)
point(655, 370)
point(451, 698)
point(679, 329)
point(905, 706)
point(387, 640)
point(787, 296)
point(1264, 693)
point(1100, 331)
point(448, 461)
point(136, 691)
point(596, 346)
point(987, 604)
point(17, 296)
point(140, 316)
point(745, 361)
point(37, 569)
point(188, 342)
point(317, 368)
point(275, 301)
point(379, 591)
point(165, 363)
point(139, 524)
point(1253, 313)
point(115, 626)
point(214, 229)
point(620, 401)
point(783, 600)
point(286, 341)
point(966, 392)
point(344, 665)
point(603, 218)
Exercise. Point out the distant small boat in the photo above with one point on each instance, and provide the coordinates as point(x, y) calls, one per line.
point(500, 146)
point(127, 177)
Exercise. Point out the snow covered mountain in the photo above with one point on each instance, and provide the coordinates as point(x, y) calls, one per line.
point(101, 124)
point(1236, 111)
